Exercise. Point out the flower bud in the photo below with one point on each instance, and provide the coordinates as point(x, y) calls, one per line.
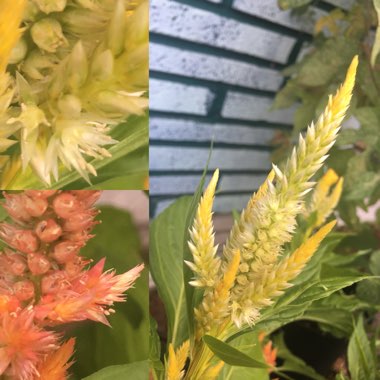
point(15, 207)
point(35, 207)
point(65, 251)
point(116, 30)
point(38, 263)
point(102, 66)
point(78, 236)
point(70, 106)
point(80, 221)
point(65, 205)
point(17, 264)
point(49, 6)
point(24, 290)
point(77, 67)
point(48, 230)
point(47, 34)
point(18, 52)
point(87, 197)
point(122, 103)
point(36, 64)
point(53, 282)
point(44, 194)
point(23, 240)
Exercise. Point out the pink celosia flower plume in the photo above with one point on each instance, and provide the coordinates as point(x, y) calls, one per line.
point(45, 282)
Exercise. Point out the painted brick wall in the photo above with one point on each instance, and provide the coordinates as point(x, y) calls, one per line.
point(215, 68)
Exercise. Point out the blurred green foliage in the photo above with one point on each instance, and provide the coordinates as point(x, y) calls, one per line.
point(338, 36)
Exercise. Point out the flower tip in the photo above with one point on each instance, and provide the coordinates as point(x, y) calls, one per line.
point(351, 72)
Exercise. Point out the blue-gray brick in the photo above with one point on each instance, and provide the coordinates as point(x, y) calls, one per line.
point(176, 97)
point(203, 66)
point(184, 158)
point(239, 182)
point(252, 107)
point(187, 130)
point(205, 27)
point(173, 184)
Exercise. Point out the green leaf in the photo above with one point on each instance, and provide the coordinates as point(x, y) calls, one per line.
point(157, 366)
point(369, 291)
point(249, 345)
point(99, 346)
point(231, 355)
point(328, 63)
point(295, 301)
point(291, 362)
point(366, 184)
point(374, 263)
point(167, 234)
point(135, 371)
point(334, 313)
point(361, 361)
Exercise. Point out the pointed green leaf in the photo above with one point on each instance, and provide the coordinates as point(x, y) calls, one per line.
point(231, 355)
point(135, 371)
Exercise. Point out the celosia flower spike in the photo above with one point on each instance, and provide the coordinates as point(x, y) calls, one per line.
point(78, 71)
point(23, 344)
point(276, 279)
point(177, 361)
point(215, 307)
point(324, 200)
point(270, 223)
point(206, 264)
point(11, 13)
point(57, 363)
point(44, 281)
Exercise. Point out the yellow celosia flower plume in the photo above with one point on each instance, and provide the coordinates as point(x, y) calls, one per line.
point(177, 361)
point(265, 226)
point(11, 12)
point(214, 308)
point(212, 373)
point(206, 263)
point(275, 280)
point(324, 199)
point(271, 221)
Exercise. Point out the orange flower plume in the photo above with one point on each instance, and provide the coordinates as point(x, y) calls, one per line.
point(45, 282)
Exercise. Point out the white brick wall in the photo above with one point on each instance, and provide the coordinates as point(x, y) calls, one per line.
point(175, 97)
point(251, 107)
point(186, 130)
point(171, 184)
point(185, 158)
point(268, 10)
point(182, 21)
point(199, 65)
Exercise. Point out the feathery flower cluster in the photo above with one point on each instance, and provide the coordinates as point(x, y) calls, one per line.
point(325, 197)
point(44, 282)
point(252, 272)
point(75, 69)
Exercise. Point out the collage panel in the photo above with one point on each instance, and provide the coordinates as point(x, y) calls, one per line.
point(74, 82)
point(74, 285)
point(264, 189)
point(189, 189)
